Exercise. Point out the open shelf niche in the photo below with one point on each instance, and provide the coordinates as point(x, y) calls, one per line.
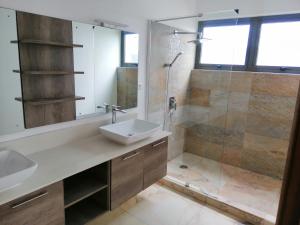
point(87, 194)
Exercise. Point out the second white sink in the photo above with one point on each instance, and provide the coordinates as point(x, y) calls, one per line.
point(129, 131)
point(14, 168)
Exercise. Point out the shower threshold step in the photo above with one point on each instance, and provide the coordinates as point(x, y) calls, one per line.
point(216, 202)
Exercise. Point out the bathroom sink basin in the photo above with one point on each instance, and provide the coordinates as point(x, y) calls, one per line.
point(14, 169)
point(129, 131)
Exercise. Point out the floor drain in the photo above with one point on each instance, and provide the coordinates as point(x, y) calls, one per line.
point(183, 167)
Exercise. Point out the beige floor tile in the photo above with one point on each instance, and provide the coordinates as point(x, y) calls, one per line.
point(116, 217)
point(160, 206)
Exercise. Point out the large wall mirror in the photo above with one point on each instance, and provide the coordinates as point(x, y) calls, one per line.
point(54, 70)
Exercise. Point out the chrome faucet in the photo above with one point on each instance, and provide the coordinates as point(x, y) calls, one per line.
point(114, 110)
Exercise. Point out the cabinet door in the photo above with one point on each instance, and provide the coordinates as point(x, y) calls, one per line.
point(126, 177)
point(43, 207)
point(155, 162)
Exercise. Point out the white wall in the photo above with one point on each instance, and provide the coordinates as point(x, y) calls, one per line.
point(11, 112)
point(250, 7)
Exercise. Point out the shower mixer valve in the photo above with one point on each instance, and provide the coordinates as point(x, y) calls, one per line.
point(172, 104)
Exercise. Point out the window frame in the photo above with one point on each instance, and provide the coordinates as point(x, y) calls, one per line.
point(252, 46)
point(123, 63)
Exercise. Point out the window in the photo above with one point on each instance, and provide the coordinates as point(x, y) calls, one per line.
point(228, 45)
point(279, 44)
point(130, 46)
point(268, 44)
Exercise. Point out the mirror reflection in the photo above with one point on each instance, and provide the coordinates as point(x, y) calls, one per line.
point(76, 70)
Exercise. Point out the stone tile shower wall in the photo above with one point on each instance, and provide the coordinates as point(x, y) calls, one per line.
point(241, 118)
point(164, 47)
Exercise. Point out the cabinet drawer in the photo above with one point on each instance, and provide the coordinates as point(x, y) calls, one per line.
point(43, 207)
point(126, 177)
point(155, 162)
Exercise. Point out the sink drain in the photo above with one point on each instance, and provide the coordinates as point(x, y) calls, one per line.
point(183, 167)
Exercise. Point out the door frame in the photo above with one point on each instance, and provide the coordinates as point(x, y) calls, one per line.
point(289, 205)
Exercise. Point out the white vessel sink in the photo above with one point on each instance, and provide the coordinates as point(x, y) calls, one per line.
point(14, 169)
point(129, 131)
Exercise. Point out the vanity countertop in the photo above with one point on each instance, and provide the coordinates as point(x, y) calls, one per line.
point(61, 162)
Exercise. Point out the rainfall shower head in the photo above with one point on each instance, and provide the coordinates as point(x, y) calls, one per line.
point(176, 32)
point(174, 60)
point(199, 40)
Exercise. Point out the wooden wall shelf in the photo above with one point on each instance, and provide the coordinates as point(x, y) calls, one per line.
point(36, 102)
point(54, 73)
point(49, 43)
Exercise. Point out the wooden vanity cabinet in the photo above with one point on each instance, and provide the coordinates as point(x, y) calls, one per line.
point(135, 171)
point(155, 162)
point(43, 207)
point(126, 177)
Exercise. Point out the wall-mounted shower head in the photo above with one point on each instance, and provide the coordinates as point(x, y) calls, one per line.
point(174, 60)
point(176, 32)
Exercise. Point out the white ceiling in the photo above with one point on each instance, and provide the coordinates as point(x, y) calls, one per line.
point(128, 11)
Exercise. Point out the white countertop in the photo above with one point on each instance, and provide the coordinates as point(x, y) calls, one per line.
point(61, 162)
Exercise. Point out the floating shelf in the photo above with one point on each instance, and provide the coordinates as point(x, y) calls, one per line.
point(36, 102)
point(52, 72)
point(49, 43)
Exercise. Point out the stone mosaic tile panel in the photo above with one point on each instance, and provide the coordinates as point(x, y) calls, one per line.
point(248, 116)
point(275, 85)
point(274, 106)
point(269, 126)
point(199, 97)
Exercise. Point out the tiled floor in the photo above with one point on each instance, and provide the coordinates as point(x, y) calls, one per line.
point(160, 206)
point(246, 190)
